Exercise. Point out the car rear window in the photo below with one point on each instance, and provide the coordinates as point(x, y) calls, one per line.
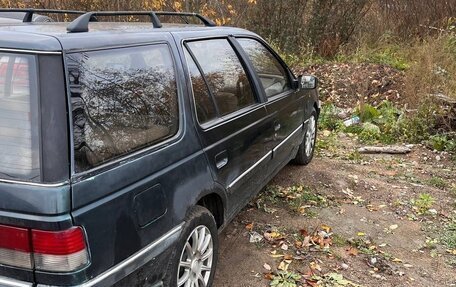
point(122, 100)
point(19, 121)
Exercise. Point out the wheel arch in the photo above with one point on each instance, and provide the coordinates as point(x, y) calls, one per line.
point(216, 205)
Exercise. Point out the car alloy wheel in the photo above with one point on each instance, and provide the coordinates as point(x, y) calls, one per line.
point(195, 264)
point(310, 136)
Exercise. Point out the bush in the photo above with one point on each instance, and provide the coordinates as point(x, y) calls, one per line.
point(388, 124)
point(329, 119)
point(416, 127)
point(443, 143)
point(370, 133)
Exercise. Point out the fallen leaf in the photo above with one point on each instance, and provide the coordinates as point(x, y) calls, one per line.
point(284, 265)
point(267, 266)
point(326, 228)
point(353, 251)
point(249, 226)
point(288, 257)
point(277, 255)
point(268, 276)
point(304, 232)
point(302, 210)
point(397, 260)
point(361, 234)
point(306, 242)
point(272, 236)
point(315, 266)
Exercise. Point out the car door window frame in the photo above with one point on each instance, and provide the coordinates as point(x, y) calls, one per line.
point(255, 85)
point(290, 74)
point(153, 147)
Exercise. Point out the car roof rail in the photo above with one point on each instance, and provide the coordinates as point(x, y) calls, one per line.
point(29, 12)
point(81, 24)
point(206, 21)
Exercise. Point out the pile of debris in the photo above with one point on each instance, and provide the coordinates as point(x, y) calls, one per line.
point(346, 85)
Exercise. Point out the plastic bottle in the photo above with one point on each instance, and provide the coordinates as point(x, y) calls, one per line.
point(352, 121)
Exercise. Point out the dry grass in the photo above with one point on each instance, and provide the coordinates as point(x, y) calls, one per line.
point(429, 63)
point(432, 68)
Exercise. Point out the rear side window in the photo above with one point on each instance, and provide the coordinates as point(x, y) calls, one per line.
point(272, 74)
point(19, 121)
point(224, 73)
point(122, 100)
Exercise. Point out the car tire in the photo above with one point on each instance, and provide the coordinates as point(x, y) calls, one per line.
point(307, 146)
point(192, 261)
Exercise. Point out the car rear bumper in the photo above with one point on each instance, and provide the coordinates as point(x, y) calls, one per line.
point(8, 282)
point(157, 253)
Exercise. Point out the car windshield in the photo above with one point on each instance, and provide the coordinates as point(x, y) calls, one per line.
point(19, 127)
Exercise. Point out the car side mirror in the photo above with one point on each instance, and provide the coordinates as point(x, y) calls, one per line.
point(307, 82)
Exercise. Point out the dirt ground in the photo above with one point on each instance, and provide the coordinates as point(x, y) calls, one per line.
point(348, 219)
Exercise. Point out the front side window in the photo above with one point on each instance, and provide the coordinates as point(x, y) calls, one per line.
point(19, 121)
point(122, 100)
point(205, 107)
point(272, 74)
point(224, 73)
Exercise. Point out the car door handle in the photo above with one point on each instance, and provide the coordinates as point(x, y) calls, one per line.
point(221, 159)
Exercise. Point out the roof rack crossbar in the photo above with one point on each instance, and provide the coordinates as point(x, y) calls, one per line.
point(29, 12)
point(206, 21)
point(81, 24)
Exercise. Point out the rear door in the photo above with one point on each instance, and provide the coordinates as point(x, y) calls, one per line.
point(285, 104)
point(233, 121)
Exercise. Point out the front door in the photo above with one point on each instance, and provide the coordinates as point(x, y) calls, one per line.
point(284, 104)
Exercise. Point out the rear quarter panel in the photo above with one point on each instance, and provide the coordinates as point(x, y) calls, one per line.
point(107, 201)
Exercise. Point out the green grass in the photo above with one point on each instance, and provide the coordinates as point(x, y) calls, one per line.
point(449, 236)
point(298, 197)
point(328, 119)
point(285, 279)
point(453, 190)
point(423, 203)
point(390, 54)
point(339, 241)
point(442, 142)
point(438, 182)
point(387, 124)
point(328, 143)
point(354, 156)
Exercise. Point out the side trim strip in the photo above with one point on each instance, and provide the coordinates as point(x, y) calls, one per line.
point(31, 51)
point(236, 180)
point(7, 282)
point(134, 262)
point(34, 183)
point(287, 138)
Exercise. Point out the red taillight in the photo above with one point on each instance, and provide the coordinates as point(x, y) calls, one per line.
point(15, 247)
point(58, 251)
point(14, 238)
point(58, 243)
